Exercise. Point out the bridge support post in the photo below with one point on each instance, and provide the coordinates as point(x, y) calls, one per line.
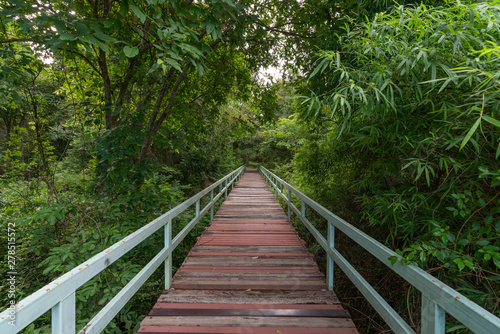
point(433, 317)
point(289, 203)
point(63, 316)
point(212, 207)
point(330, 263)
point(168, 261)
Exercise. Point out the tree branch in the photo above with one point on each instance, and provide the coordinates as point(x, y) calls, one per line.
point(87, 60)
point(11, 40)
point(286, 33)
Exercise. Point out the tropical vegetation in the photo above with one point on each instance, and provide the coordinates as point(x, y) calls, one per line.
point(112, 112)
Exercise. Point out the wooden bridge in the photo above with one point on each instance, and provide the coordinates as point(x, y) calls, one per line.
point(249, 272)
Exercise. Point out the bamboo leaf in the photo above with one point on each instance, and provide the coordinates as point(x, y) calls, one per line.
point(470, 133)
point(492, 121)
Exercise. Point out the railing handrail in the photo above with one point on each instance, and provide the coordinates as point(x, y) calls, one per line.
point(437, 297)
point(59, 295)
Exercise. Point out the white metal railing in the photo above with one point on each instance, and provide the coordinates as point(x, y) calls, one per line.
point(59, 295)
point(437, 298)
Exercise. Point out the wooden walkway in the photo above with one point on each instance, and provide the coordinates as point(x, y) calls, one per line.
point(249, 272)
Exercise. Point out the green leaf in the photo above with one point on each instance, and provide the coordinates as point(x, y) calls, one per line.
point(470, 133)
point(469, 264)
point(483, 243)
point(459, 263)
point(82, 29)
point(173, 63)
point(210, 27)
point(130, 52)
point(104, 37)
point(492, 121)
point(48, 269)
point(124, 8)
point(60, 26)
point(153, 68)
point(97, 42)
point(455, 328)
point(67, 37)
point(137, 11)
point(281, 276)
point(496, 260)
point(423, 256)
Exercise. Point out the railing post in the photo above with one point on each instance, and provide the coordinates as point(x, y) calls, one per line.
point(225, 190)
point(212, 207)
point(433, 317)
point(63, 316)
point(197, 208)
point(168, 260)
point(303, 208)
point(289, 203)
point(330, 263)
point(276, 190)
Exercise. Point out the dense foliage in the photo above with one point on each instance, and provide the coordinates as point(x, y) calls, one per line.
point(414, 93)
point(112, 112)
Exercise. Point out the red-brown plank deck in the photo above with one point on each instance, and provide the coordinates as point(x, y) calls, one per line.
point(249, 272)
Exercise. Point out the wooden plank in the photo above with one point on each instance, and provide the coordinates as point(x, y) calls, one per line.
point(249, 306)
point(251, 269)
point(247, 321)
point(250, 249)
point(262, 274)
point(260, 285)
point(223, 261)
point(240, 312)
point(249, 297)
point(250, 254)
point(239, 329)
point(250, 227)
